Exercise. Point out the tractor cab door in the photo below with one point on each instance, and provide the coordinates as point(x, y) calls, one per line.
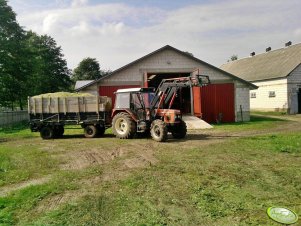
point(140, 104)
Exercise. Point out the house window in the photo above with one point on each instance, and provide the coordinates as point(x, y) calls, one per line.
point(272, 94)
point(253, 95)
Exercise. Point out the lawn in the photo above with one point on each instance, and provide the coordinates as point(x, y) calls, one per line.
point(226, 176)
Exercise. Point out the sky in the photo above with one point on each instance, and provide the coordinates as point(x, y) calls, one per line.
point(119, 32)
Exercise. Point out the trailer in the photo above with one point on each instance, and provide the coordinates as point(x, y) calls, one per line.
point(49, 113)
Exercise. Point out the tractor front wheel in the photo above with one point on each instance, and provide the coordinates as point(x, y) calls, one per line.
point(123, 126)
point(159, 130)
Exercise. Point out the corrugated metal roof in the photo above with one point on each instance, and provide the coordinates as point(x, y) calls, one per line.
point(82, 83)
point(274, 64)
point(252, 86)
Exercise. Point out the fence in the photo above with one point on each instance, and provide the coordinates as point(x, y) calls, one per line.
point(10, 117)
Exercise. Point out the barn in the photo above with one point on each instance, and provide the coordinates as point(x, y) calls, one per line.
point(226, 99)
point(277, 73)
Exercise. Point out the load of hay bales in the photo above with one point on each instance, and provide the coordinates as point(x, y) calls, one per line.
point(62, 102)
point(63, 94)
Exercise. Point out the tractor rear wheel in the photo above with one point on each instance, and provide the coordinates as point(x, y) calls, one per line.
point(123, 126)
point(159, 130)
point(47, 133)
point(90, 131)
point(179, 131)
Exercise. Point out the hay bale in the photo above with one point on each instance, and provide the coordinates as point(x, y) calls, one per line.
point(63, 94)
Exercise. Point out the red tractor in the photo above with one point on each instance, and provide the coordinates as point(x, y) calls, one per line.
point(146, 110)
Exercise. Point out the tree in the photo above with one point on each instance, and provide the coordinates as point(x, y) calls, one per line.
point(88, 69)
point(233, 58)
point(13, 60)
point(29, 64)
point(50, 72)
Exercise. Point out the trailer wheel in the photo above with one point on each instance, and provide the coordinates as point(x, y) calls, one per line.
point(123, 126)
point(159, 130)
point(47, 133)
point(90, 131)
point(179, 131)
point(101, 130)
point(59, 131)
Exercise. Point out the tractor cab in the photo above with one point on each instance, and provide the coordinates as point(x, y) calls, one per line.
point(135, 101)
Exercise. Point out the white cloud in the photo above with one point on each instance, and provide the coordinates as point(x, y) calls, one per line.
point(50, 22)
point(79, 3)
point(117, 34)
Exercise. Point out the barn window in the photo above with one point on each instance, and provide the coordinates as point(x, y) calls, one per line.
point(272, 94)
point(253, 95)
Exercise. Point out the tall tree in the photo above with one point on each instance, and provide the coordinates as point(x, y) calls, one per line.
point(88, 69)
point(50, 72)
point(13, 61)
point(29, 64)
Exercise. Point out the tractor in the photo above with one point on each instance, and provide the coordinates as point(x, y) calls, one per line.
point(144, 111)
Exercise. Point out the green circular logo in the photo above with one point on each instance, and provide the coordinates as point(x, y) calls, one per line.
point(282, 215)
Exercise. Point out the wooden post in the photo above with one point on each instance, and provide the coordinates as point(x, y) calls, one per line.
point(78, 109)
point(48, 104)
point(34, 106)
point(65, 105)
point(97, 105)
point(58, 109)
point(42, 112)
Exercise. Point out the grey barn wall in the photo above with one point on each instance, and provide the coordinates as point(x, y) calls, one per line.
point(163, 62)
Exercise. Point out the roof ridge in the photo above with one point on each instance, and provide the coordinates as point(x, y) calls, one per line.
point(259, 54)
point(159, 50)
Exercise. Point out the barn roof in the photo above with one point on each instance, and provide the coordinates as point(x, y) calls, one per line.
point(168, 47)
point(270, 65)
point(81, 83)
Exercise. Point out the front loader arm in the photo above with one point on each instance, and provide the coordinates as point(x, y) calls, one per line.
point(168, 88)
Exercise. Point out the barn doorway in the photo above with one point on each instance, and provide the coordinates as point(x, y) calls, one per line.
point(183, 99)
point(299, 101)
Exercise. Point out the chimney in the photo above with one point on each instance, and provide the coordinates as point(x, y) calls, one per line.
point(288, 44)
point(268, 49)
point(252, 54)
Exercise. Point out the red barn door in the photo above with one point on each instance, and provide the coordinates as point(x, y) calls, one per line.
point(217, 102)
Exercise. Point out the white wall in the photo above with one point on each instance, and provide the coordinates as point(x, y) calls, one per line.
point(293, 86)
point(263, 102)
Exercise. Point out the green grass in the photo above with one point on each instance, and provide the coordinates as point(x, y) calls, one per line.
point(269, 113)
point(226, 184)
point(257, 122)
point(193, 182)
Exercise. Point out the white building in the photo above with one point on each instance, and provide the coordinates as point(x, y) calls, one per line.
point(277, 73)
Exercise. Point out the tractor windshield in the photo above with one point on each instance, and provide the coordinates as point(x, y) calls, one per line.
point(142, 100)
